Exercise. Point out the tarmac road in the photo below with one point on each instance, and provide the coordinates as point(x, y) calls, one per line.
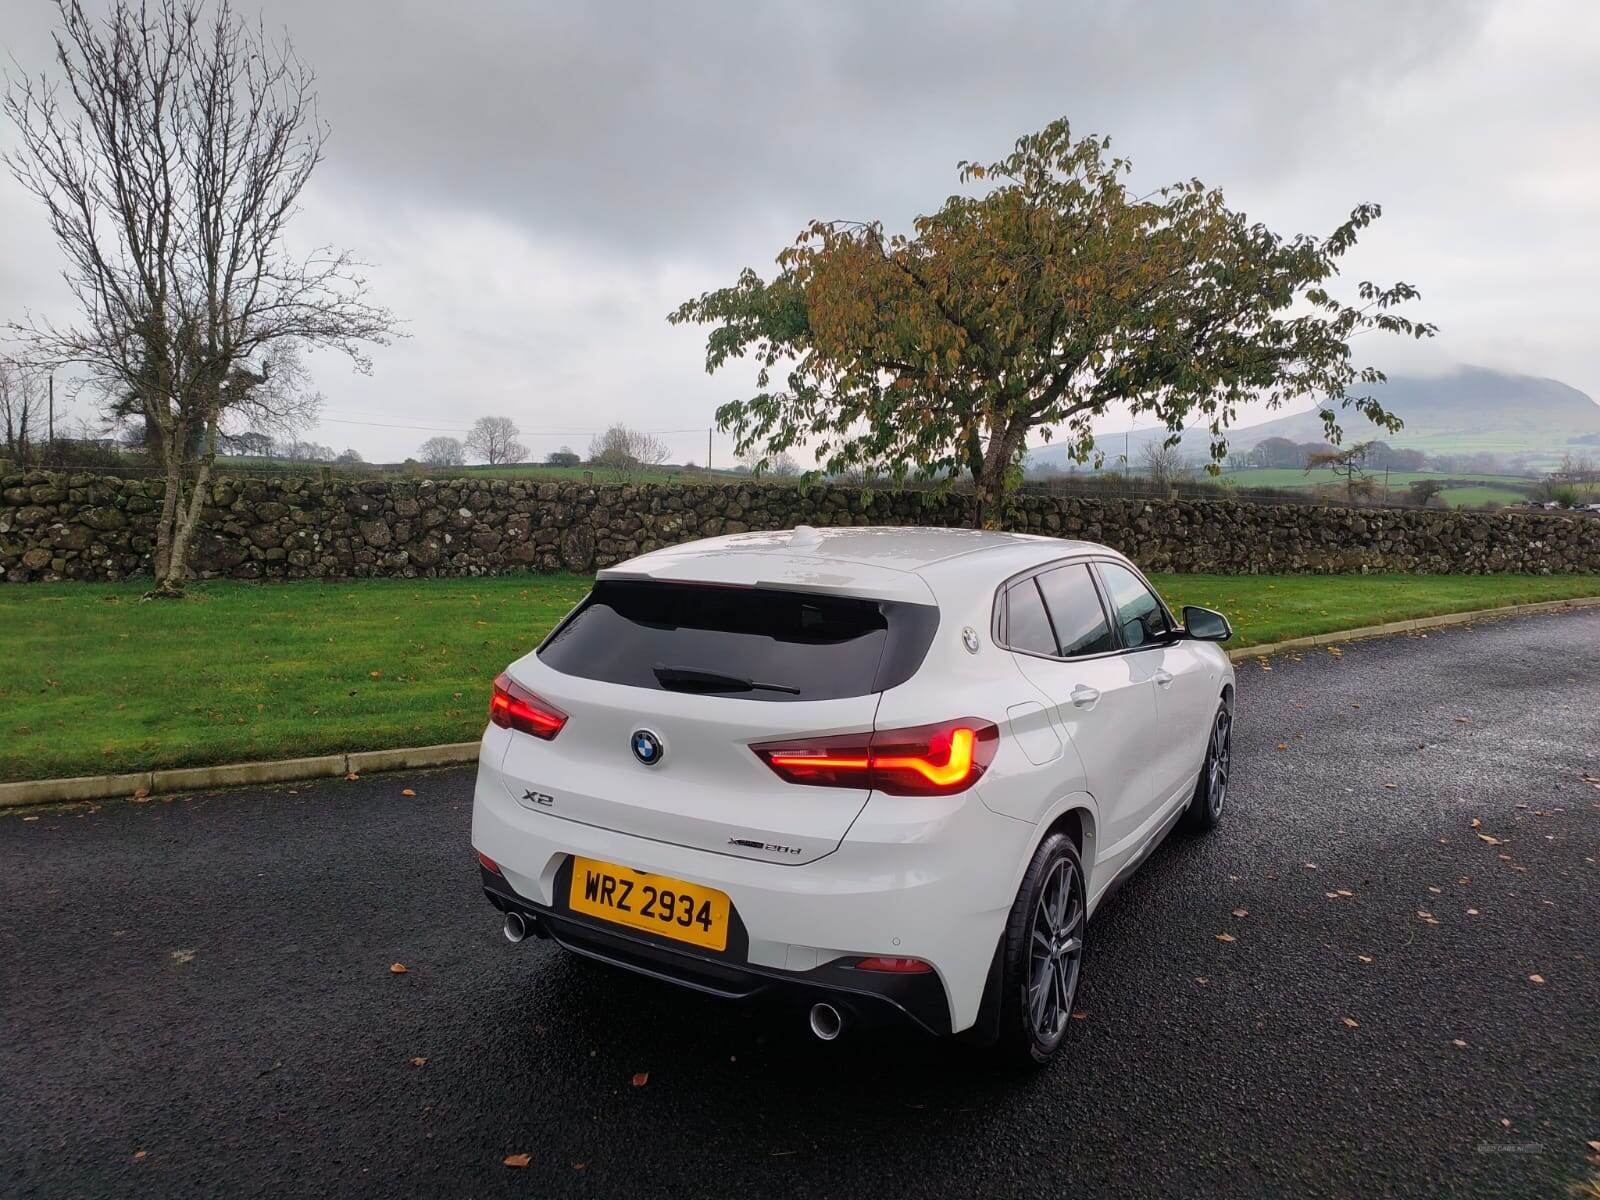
point(197, 995)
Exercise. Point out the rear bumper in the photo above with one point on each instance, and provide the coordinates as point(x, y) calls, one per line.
point(868, 997)
point(927, 878)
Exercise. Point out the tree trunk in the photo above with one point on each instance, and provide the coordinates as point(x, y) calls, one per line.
point(171, 582)
point(169, 505)
point(990, 480)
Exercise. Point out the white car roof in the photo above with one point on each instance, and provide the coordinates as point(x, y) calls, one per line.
point(880, 562)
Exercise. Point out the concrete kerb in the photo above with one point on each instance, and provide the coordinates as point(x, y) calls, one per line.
point(332, 766)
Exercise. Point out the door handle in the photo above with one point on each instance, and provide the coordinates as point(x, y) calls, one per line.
point(1163, 678)
point(1084, 696)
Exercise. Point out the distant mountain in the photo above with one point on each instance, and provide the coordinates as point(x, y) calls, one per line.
point(1472, 410)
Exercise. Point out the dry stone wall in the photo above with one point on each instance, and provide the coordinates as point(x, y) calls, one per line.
point(86, 526)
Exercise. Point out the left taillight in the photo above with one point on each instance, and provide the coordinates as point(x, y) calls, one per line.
point(515, 707)
point(926, 760)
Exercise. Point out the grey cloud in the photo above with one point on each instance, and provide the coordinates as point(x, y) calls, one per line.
point(539, 182)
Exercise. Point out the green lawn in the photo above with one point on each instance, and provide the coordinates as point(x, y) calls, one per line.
point(1274, 608)
point(93, 680)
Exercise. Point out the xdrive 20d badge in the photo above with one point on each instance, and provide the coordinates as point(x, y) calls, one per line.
point(905, 767)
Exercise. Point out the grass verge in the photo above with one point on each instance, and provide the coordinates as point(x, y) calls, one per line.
point(94, 681)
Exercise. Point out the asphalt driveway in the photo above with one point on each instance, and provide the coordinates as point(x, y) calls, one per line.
point(198, 998)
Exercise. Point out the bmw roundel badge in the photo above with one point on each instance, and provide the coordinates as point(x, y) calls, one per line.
point(647, 747)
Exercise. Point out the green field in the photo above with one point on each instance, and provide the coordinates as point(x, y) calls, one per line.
point(1463, 490)
point(1291, 477)
point(97, 681)
point(1477, 497)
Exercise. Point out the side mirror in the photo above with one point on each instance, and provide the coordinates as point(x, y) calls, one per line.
point(1205, 625)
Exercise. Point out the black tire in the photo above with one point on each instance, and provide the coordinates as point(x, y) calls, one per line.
point(1043, 950)
point(1211, 789)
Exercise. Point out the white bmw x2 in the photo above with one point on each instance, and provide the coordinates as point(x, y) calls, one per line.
point(887, 773)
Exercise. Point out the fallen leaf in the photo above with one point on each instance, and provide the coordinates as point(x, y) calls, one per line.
point(1435, 891)
point(351, 777)
point(1595, 1146)
point(138, 1154)
point(1492, 841)
point(1080, 1015)
point(1476, 823)
point(1535, 978)
point(1311, 866)
point(1226, 937)
point(1464, 720)
point(1344, 892)
point(1331, 895)
point(1472, 912)
point(517, 1160)
point(1239, 912)
point(1351, 1021)
point(1201, 980)
point(640, 1078)
point(1366, 958)
point(182, 956)
point(398, 968)
point(1283, 745)
point(376, 674)
point(407, 792)
point(579, 1166)
point(419, 1062)
point(1392, 786)
point(140, 795)
point(1457, 1042)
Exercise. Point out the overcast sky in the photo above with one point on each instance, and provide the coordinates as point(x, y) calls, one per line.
point(538, 184)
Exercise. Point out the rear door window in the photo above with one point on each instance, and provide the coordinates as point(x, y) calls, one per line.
point(1075, 610)
point(749, 643)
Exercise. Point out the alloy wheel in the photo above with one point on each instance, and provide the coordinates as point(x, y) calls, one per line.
point(1055, 952)
point(1221, 753)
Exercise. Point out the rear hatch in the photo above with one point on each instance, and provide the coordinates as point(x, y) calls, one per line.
point(707, 670)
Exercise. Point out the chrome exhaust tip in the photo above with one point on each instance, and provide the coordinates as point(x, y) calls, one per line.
point(826, 1023)
point(515, 928)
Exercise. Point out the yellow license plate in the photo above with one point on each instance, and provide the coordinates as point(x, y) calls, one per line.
point(656, 904)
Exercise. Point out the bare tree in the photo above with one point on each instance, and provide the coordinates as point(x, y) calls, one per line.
point(1163, 465)
point(1349, 465)
point(170, 155)
point(297, 451)
point(443, 452)
point(782, 465)
point(22, 403)
point(494, 439)
point(628, 452)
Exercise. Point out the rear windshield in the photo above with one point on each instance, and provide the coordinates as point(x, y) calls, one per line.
point(750, 643)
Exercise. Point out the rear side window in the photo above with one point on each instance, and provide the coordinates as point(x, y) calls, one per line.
point(1075, 610)
point(1027, 627)
point(1140, 618)
point(748, 643)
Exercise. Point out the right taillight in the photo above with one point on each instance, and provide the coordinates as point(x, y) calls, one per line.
point(927, 760)
point(515, 707)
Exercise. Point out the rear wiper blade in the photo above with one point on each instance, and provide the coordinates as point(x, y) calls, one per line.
point(688, 678)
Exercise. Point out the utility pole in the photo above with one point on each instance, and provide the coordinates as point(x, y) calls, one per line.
point(52, 410)
point(708, 450)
